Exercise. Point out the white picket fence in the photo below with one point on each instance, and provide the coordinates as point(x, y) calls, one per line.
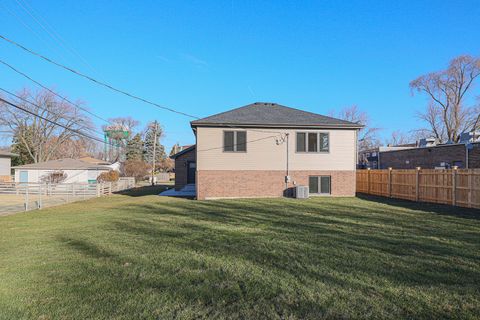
point(15, 197)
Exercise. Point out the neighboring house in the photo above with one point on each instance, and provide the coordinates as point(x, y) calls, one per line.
point(77, 171)
point(265, 149)
point(370, 158)
point(5, 165)
point(185, 167)
point(444, 156)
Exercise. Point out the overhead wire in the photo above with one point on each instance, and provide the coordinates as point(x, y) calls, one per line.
point(104, 84)
point(51, 32)
point(80, 133)
point(53, 92)
point(50, 111)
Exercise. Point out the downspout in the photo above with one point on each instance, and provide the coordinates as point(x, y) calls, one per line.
point(287, 178)
point(356, 151)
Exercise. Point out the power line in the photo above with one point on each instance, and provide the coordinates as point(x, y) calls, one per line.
point(96, 81)
point(113, 88)
point(13, 14)
point(51, 31)
point(54, 122)
point(51, 91)
point(35, 105)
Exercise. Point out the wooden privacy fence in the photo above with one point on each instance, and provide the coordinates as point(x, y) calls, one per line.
point(458, 187)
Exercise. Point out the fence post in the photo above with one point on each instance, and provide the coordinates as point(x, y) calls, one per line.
point(40, 205)
point(110, 188)
point(26, 197)
point(454, 185)
point(417, 184)
point(368, 180)
point(98, 189)
point(390, 182)
point(470, 187)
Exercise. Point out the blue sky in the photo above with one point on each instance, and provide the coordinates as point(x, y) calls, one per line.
point(205, 57)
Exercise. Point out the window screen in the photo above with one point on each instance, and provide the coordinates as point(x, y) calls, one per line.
point(324, 143)
point(319, 184)
point(324, 185)
point(312, 142)
point(301, 141)
point(235, 141)
point(228, 141)
point(241, 141)
point(313, 184)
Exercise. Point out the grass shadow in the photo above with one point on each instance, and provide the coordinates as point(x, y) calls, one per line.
point(441, 209)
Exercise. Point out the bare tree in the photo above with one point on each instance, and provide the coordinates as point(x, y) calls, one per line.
point(448, 91)
point(399, 137)
point(70, 148)
point(42, 139)
point(368, 136)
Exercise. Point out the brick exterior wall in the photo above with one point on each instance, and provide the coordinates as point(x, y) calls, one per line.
point(474, 156)
point(181, 169)
point(431, 157)
point(258, 183)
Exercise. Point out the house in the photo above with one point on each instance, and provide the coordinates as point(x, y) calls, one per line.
point(265, 149)
point(76, 171)
point(442, 156)
point(5, 165)
point(185, 167)
point(370, 158)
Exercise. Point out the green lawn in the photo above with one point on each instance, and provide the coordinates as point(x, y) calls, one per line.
point(137, 256)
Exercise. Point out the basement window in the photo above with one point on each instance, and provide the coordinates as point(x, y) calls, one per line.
point(319, 185)
point(234, 141)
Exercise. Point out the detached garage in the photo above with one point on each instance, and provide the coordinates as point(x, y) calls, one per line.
point(73, 171)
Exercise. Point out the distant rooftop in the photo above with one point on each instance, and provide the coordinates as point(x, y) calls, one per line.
point(7, 154)
point(93, 160)
point(62, 164)
point(272, 114)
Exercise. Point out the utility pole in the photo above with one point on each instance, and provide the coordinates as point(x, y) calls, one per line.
point(154, 158)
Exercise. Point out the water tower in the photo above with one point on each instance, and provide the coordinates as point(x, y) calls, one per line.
point(114, 137)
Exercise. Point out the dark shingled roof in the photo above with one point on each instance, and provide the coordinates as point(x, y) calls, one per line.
point(272, 114)
point(176, 155)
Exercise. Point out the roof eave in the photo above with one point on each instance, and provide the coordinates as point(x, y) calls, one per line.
point(176, 155)
point(277, 125)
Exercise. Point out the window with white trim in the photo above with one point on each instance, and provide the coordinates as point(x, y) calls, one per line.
point(234, 141)
point(313, 142)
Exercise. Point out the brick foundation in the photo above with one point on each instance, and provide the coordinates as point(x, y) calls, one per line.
point(255, 183)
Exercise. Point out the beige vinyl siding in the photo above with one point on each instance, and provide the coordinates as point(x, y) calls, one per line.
point(73, 176)
point(5, 166)
point(267, 155)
